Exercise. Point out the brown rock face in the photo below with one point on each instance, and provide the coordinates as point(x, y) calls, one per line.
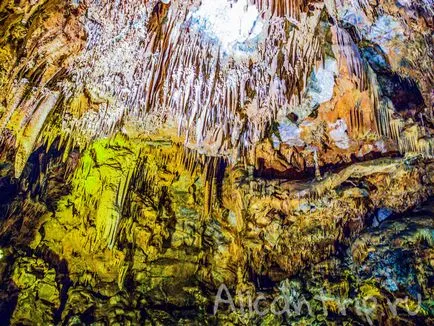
point(154, 151)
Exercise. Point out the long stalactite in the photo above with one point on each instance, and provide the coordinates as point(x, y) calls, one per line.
point(156, 152)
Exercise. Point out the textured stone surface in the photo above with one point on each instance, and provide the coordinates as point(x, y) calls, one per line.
point(149, 154)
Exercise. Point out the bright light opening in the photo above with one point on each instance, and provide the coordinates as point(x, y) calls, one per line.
point(236, 26)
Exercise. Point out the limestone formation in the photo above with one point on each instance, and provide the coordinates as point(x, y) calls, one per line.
point(233, 162)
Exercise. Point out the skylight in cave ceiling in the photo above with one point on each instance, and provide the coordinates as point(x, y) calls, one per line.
point(235, 26)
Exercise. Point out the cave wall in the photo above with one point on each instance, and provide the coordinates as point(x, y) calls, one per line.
point(142, 164)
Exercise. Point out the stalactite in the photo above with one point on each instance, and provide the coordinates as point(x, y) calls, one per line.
point(351, 54)
point(380, 108)
point(317, 170)
point(413, 140)
point(31, 130)
point(187, 85)
point(18, 96)
point(282, 8)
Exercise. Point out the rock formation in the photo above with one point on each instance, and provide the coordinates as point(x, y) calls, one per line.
point(155, 153)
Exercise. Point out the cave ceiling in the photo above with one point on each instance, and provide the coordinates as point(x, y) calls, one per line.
point(161, 148)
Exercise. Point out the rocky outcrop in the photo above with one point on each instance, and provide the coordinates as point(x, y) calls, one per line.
point(137, 242)
point(285, 225)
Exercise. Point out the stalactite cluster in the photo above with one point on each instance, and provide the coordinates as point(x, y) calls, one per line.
point(154, 151)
